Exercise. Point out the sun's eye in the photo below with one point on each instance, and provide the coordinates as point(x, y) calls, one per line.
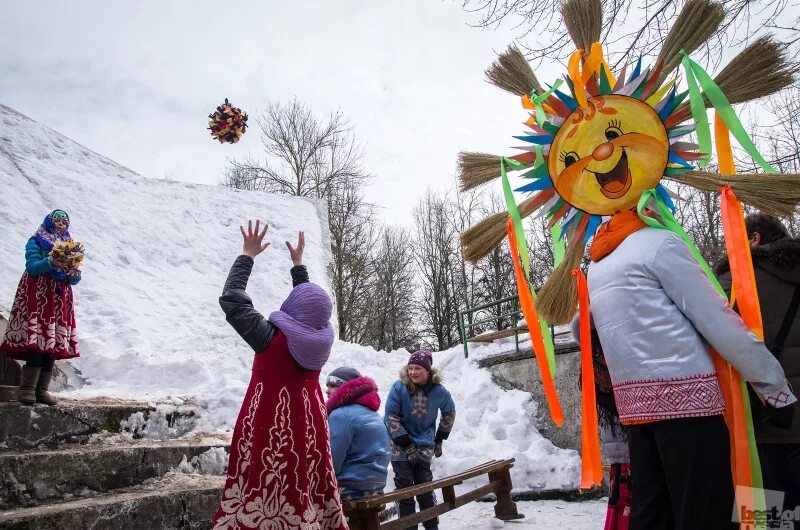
point(613, 130)
point(569, 158)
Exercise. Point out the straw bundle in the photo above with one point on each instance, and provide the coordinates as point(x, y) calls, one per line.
point(696, 23)
point(558, 298)
point(584, 21)
point(776, 194)
point(476, 169)
point(512, 73)
point(479, 240)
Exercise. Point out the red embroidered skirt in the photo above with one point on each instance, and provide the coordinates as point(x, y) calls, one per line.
point(280, 474)
point(42, 319)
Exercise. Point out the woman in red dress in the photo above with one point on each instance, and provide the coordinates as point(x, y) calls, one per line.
point(41, 328)
point(280, 473)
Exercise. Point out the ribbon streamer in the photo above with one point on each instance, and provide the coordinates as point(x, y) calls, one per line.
point(695, 74)
point(528, 306)
point(591, 463)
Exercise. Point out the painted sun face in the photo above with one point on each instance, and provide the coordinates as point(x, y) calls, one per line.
point(603, 159)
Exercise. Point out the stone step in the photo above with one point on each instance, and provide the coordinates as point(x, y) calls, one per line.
point(175, 502)
point(75, 421)
point(35, 477)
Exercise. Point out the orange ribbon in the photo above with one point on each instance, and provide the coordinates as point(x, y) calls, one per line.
point(528, 306)
point(744, 459)
point(591, 463)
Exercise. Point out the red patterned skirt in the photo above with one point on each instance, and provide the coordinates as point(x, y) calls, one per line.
point(280, 474)
point(42, 320)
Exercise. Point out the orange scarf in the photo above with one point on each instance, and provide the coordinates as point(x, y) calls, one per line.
point(614, 232)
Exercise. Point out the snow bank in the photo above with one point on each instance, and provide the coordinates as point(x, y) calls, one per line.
point(149, 323)
point(491, 423)
point(157, 256)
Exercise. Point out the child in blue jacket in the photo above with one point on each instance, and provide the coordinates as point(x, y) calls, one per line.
point(359, 441)
point(412, 406)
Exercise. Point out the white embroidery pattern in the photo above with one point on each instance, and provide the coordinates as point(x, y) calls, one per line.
point(25, 329)
point(269, 508)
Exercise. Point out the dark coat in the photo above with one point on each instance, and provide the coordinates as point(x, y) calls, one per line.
point(777, 271)
point(237, 305)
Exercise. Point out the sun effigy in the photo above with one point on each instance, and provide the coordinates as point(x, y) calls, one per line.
point(602, 142)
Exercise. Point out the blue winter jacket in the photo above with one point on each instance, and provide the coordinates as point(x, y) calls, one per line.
point(37, 262)
point(411, 413)
point(359, 441)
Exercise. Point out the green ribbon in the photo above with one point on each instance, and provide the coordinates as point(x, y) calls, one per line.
point(522, 248)
point(513, 211)
point(651, 199)
point(699, 115)
point(559, 248)
point(539, 160)
point(695, 74)
point(540, 99)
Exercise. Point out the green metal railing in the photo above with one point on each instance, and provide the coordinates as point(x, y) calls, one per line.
point(463, 326)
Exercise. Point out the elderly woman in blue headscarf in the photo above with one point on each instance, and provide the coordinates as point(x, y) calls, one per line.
point(41, 328)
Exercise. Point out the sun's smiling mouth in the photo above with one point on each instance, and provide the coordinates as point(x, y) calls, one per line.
point(615, 183)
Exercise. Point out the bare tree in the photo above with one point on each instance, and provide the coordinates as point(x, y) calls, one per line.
point(436, 254)
point(630, 27)
point(304, 155)
point(354, 232)
point(319, 158)
point(392, 294)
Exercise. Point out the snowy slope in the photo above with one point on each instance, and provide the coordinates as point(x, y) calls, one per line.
point(148, 319)
point(157, 256)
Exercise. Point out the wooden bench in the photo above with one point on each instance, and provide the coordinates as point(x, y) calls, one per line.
point(363, 514)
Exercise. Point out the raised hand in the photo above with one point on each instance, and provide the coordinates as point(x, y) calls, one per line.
point(297, 252)
point(252, 239)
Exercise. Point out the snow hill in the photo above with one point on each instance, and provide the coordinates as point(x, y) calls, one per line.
point(158, 253)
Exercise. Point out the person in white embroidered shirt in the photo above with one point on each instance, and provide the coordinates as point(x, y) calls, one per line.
point(655, 312)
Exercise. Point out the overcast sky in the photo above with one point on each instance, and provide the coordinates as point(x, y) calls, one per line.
point(136, 80)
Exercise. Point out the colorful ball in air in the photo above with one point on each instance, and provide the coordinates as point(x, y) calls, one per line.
point(227, 123)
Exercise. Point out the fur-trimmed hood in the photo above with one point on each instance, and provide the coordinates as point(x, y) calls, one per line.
point(434, 378)
point(360, 391)
point(781, 258)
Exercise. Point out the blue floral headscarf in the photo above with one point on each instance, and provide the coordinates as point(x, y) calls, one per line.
point(46, 235)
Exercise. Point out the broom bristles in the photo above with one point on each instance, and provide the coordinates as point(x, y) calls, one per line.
point(584, 21)
point(696, 23)
point(759, 70)
point(475, 169)
point(480, 240)
point(773, 193)
point(512, 73)
point(558, 298)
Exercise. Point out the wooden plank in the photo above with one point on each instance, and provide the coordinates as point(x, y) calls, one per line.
point(449, 496)
point(412, 491)
point(477, 493)
point(413, 520)
point(494, 335)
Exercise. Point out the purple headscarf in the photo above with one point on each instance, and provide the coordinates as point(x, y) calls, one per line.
point(46, 235)
point(305, 319)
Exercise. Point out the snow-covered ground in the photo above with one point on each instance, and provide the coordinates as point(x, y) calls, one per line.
point(149, 323)
point(589, 515)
